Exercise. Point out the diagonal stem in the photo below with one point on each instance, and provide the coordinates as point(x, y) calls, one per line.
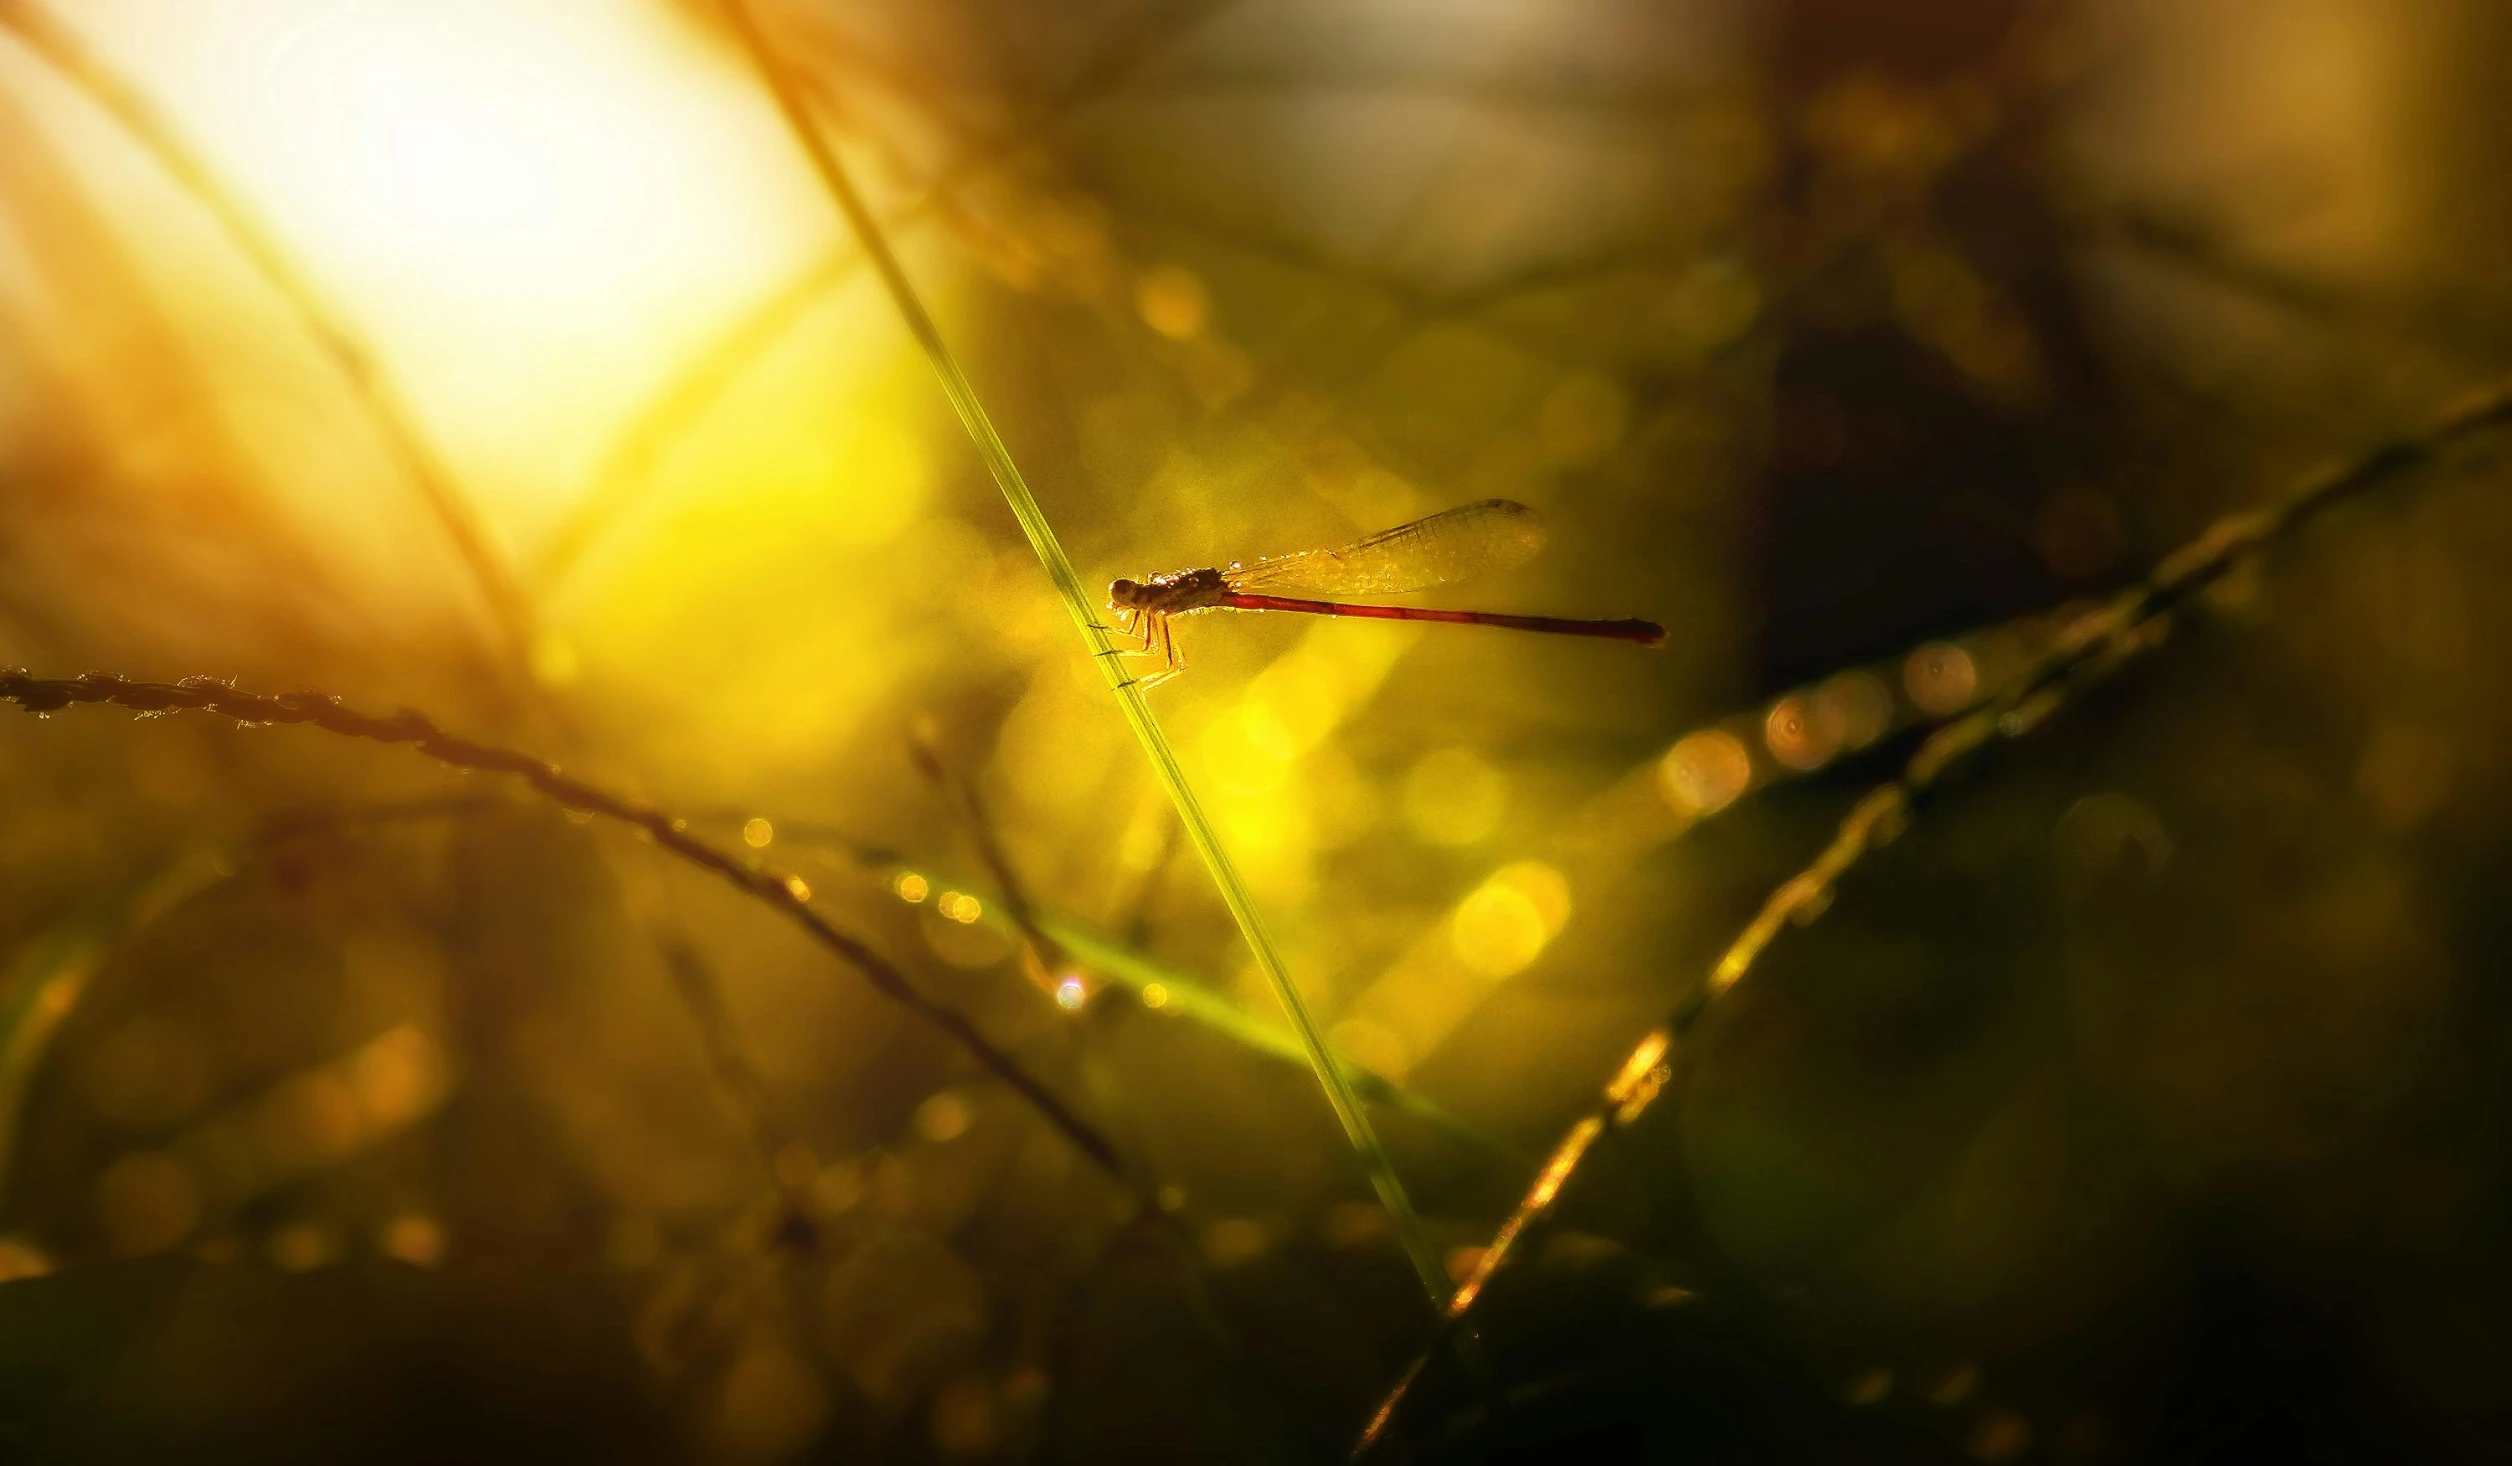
point(42, 695)
point(2101, 642)
point(1068, 586)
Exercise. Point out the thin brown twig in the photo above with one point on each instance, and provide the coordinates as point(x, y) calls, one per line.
point(787, 894)
point(2097, 645)
point(728, 1058)
point(1052, 958)
point(61, 47)
point(1122, 960)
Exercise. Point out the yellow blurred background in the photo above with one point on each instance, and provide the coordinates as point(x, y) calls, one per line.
point(506, 361)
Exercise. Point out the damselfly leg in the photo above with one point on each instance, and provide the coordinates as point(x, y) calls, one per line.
point(1149, 630)
point(1172, 661)
point(1130, 626)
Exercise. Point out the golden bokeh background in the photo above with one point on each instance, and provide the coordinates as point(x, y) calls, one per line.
point(507, 362)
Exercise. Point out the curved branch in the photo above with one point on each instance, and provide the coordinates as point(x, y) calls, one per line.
point(2098, 644)
point(42, 695)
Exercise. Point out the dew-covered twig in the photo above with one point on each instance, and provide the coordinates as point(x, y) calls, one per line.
point(787, 894)
point(1172, 991)
point(2097, 644)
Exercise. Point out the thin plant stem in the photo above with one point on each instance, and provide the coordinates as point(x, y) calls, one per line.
point(2097, 645)
point(1174, 993)
point(61, 48)
point(728, 1057)
point(787, 894)
point(1062, 945)
point(1048, 953)
point(1137, 713)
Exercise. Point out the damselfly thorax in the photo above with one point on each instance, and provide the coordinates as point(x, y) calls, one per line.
point(1170, 595)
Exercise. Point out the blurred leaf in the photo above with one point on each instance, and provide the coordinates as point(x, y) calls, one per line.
point(51, 971)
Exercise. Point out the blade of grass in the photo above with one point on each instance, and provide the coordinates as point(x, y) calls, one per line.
point(1193, 1000)
point(1061, 940)
point(1182, 994)
point(61, 48)
point(1068, 586)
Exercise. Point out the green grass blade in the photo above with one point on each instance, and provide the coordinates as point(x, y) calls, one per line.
point(1068, 587)
point(1185, 996)
point(1191, 999)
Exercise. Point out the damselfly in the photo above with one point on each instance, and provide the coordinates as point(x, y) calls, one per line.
point(1457, 544)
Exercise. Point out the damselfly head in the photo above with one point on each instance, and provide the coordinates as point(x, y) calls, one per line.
point(1122, 594)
